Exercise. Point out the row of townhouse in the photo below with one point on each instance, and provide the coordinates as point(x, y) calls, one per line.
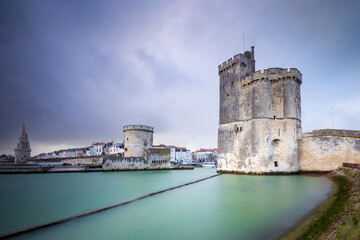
point(96, 149)
point(178, 154)
point(205, 155)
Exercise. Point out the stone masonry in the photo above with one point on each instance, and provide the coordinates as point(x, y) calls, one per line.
point(328, 149)
point(138, 138)
point(260, 117)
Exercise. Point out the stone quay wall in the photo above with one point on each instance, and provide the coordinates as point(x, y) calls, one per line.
point(72, 160)
point(125, 164)
point(328, 149)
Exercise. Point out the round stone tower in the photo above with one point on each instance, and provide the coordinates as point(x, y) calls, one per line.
point(137, 139)
point(260, 117)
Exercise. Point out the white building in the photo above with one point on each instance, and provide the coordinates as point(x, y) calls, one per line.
point(205, 155)
point(117, 148)
point(182, 155)
point(97, 148)
point(177, 154)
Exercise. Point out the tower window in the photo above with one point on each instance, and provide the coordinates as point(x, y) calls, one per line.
point(274, 117)
point(276, 164)
point(232, 84)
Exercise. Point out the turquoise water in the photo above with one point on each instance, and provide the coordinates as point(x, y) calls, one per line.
point(224, 207)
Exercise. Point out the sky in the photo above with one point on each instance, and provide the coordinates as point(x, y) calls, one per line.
point(77, 71)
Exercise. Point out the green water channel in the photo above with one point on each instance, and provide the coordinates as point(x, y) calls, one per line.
point(224, 207)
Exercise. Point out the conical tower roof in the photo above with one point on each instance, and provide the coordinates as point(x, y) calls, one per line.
point(23, 131)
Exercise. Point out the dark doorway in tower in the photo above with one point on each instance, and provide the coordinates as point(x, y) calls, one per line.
point(275, 151)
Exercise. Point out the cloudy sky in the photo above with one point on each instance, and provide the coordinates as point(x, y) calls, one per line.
point(77, 71)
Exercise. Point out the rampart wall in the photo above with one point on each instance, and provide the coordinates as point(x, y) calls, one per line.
point(328, 149)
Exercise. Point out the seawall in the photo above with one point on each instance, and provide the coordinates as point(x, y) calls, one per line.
point(328, 149)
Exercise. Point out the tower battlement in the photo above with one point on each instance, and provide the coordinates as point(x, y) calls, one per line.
point(138, 127)
point(278, 71)
point(246, 59)
point(273, 75)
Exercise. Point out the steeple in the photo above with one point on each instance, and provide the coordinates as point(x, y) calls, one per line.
point(22, 150)
point(23, 132)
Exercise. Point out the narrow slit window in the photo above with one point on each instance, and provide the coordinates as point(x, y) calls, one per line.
point(276, 164)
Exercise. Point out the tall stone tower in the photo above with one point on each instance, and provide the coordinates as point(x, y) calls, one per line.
point(260, 117)
point(137, 139)
point(22, 150)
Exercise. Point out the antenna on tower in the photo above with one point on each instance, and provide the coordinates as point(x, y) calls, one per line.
point(333, 118)
point(243, 41)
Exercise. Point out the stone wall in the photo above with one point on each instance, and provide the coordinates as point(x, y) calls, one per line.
point(85, 161)
point(125, 164)
point(73, 160)
point(328, 149)
point(259, 146)
point(159, 157)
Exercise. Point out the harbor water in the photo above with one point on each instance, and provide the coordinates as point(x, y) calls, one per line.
point(223, 207)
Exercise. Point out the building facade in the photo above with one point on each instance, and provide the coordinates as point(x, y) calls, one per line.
point(260, 117)
point(97, 149)
point(205, 155)
point(22, 150)
point(172, 151)
point(182, 155)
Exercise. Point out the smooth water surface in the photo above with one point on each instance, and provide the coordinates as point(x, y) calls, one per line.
point(31, 199)
point(224, 207)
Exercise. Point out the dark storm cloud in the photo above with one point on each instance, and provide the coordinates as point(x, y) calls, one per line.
point(77, 71)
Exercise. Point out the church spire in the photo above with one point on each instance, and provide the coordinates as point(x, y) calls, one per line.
point(22, 150)
point(23, 132)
